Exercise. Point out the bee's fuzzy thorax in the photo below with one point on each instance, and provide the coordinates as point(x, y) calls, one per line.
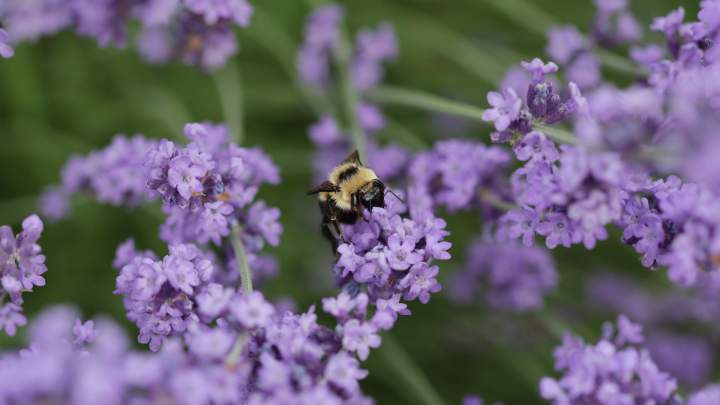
point(350, 178)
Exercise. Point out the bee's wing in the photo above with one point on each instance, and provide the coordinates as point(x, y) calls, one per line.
point(326, 187)
point(353, 157)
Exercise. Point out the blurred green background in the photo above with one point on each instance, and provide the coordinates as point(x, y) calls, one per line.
point(64, 95)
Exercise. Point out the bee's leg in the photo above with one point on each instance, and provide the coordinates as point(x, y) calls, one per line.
point(338, 230)
point(327, 233)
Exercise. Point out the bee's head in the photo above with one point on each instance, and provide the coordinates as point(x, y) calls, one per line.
point(373, 195)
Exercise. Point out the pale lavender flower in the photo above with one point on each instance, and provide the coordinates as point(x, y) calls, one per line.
point(505, 108)
point(539, 69)
point(360, 337)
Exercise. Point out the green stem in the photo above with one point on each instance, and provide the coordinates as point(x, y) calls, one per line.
point(246, 280)
point(558, 134)
point(350, 98)
point(489, 197)
point(429, 102)
point(409, 372)
point(424, 101)
point(229, 87)
point(241, 258)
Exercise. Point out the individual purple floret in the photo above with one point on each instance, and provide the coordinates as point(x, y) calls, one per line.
point(505, 109)
point(615, 370)
point(114, 175)
point(505, 276)
point(22, 266)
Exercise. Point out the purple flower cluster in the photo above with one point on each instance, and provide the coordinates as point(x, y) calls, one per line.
point(457, 175)
point(509, 276)
point(514, 117)
point(22, 266)
point(283, 358)
point(665, 120)
point(674, 225)
point(567, 195)
point(372, 49)
point(615, 370)
point(197, 32)
point(160, 295)
point(391, 256)
point(686, 355)
point(210, 185)
point(114, 175)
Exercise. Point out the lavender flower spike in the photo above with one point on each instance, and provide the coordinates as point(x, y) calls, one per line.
point(539, 69)
point(21, 268)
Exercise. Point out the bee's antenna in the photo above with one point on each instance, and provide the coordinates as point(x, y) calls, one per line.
point(396, 196)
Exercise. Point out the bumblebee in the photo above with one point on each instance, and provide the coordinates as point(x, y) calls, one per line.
point(350, 187)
